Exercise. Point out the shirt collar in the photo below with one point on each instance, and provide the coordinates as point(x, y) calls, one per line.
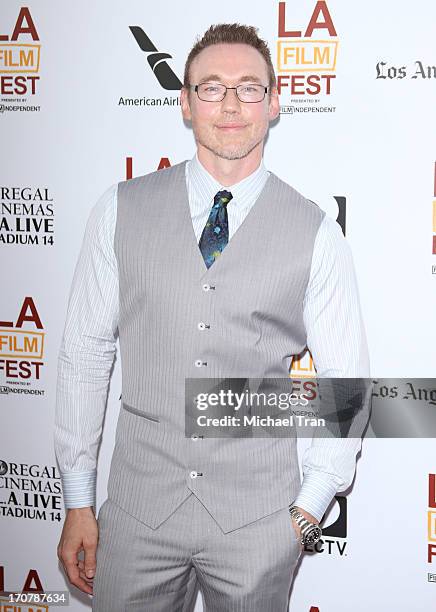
point(244, 193)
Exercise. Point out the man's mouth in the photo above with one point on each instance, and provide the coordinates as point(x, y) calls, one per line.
point(229, 127)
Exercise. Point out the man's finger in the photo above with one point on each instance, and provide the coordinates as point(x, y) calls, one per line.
point(72, 571)
point(90, 557)
point(81, 566)
point(89, 581)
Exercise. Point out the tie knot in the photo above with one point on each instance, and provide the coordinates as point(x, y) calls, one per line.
point(222, 198)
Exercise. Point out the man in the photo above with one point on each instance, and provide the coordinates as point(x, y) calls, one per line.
point(212, 268)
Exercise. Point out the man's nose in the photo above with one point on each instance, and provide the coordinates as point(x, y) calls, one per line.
point(231, 101)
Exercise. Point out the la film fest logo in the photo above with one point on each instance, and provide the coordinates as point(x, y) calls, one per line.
point(434, 216)
point(30, 491)
point(303, 366)
point(306, 59)
point(163, 163)
point(158, 71)
point(31, 583)
point(22, 347)
point(26, 216)
point(31, 596)
point(431, 523)
point(20, 54)
point(6, 605)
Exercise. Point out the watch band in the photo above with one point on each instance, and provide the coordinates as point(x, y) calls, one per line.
point(310, 532)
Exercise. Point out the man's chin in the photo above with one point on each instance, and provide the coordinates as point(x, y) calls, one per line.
point(231, 153)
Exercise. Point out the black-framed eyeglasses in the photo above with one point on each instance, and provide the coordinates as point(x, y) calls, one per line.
point(216, 92)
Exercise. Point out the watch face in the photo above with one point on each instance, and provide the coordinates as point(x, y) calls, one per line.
point(313, 535)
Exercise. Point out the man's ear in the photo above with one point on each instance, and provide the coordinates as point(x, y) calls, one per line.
point(274, 104)
point(184, 103)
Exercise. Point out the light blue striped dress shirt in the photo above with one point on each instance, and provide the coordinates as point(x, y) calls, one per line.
point(332, 316)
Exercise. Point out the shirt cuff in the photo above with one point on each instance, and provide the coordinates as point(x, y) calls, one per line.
point(316, 493)
point(79, 488)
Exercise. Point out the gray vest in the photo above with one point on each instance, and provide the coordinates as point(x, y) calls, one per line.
point(251, 302)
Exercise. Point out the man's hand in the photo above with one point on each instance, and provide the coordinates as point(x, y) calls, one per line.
point(80, 532)
point(306, 515)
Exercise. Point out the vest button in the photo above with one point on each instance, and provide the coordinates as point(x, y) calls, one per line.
point(198, 363)
point(206, 287)
point(193, 474)
point(201, 325)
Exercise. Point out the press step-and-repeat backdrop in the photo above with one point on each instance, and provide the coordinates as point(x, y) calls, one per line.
point(82, 107)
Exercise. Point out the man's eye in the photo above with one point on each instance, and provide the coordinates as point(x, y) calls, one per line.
point(249, 88)
point(210, 88)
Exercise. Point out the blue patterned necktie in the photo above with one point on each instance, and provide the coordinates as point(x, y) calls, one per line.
point(215, 234)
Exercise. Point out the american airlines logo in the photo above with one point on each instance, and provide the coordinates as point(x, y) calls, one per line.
point(157, 60)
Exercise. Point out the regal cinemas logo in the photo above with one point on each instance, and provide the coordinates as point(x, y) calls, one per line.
point(26, 216)
point(30, 491)
point(306, 59)
point(22, 346)
point(20, 54)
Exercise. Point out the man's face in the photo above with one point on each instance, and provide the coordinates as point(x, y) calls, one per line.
point(230, 129)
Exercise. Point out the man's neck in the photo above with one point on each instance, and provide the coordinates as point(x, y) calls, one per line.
point(229, 171)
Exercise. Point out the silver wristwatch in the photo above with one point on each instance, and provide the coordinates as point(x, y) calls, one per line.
point(310, 532)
